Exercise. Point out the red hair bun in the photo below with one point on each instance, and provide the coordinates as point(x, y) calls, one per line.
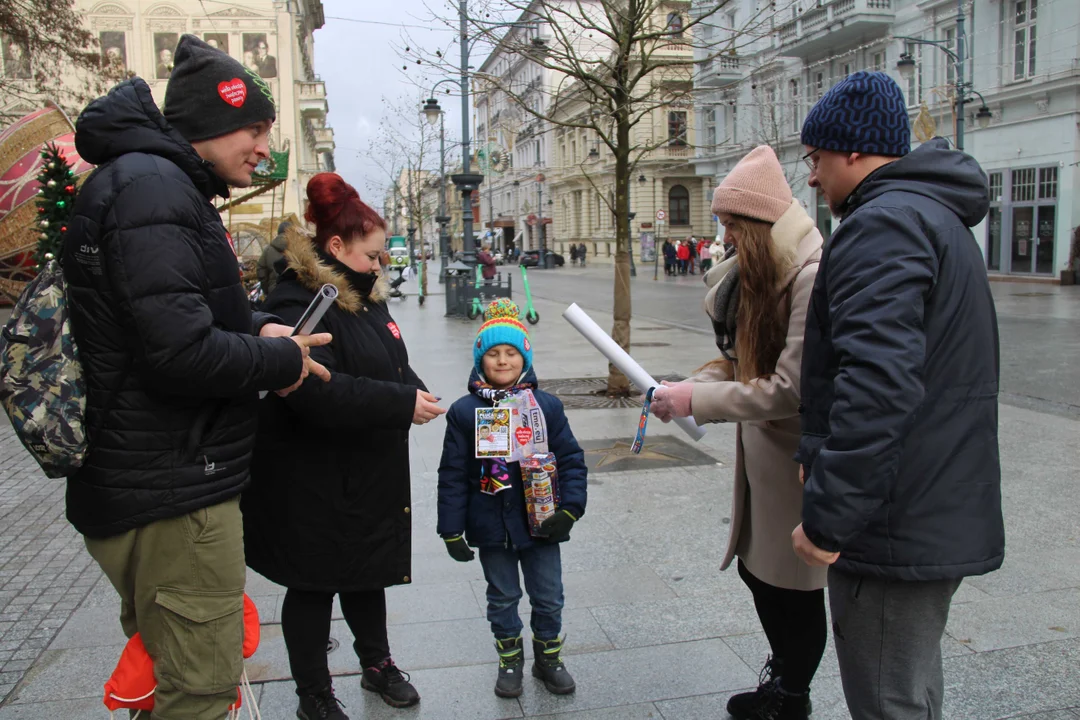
point(335, 208)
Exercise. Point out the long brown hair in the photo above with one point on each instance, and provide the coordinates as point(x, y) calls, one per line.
point(761, 328)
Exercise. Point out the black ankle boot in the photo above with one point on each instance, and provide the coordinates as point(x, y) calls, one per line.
point(778, 704)
point(548, 666)
point(511, 663)
point(748, 705)
point(391, 684)
point(321, 705)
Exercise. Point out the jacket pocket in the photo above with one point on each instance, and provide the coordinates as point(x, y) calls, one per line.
point(199, 430)
point(200, 639)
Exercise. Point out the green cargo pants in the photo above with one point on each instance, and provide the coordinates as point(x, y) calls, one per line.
point(181, 585)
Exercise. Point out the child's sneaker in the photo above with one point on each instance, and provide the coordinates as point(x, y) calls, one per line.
point(391, 684)
point(549, 667)
point(511, 663)
point(321, 705)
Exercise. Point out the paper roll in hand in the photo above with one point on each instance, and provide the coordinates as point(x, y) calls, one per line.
point(622, 360)
point(319, 305)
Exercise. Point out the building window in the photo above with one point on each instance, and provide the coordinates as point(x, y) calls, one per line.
point(1048, 183)
point(993, 227)
point(950, 66)
point(878, 62)
point(1025, 12)
point(796, 119)
point(819, 86)
point(676, 127)
point(846, 69)
point(709, 121)
point(915, 85)
point(679, 202)
point(675, 24)
point(1023, 185)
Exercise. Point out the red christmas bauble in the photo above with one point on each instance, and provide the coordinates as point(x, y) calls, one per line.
point(63, 228)
point(41, 210)
point(70, 189)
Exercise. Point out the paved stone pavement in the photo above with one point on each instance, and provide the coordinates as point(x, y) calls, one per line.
point(654, 629)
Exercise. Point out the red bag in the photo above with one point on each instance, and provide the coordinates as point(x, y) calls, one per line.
point(132, 684)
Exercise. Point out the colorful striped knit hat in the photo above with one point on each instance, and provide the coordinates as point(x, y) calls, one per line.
point(502, 326)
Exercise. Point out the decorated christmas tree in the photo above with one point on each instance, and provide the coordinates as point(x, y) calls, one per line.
point(55, 200)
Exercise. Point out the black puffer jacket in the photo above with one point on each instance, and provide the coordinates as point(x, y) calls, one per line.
point(900, 379)
point(329, 506)
point(162, 324)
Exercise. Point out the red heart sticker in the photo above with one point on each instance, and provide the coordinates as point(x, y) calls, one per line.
point(394, 330)
point(233, 91)
point(523, 435)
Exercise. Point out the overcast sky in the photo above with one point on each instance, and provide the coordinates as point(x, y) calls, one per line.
point(361, 64)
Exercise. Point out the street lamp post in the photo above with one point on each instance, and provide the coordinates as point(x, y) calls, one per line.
point(906, 66)
point(434, 114)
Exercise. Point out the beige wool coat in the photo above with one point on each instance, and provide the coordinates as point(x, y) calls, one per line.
point(767, 502)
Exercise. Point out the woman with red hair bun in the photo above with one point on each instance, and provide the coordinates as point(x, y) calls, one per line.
point(328, 511)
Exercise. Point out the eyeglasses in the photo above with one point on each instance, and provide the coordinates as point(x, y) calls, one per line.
point(811, 162)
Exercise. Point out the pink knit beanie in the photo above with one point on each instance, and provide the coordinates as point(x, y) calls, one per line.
point(754, 188)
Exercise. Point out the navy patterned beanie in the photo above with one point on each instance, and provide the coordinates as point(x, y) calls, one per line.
point(865, 112)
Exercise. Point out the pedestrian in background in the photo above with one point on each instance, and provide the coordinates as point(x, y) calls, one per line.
point(174, 360)
point(899, 394)
point(705, 255)
point(573, 254)
point(482, 504)
point(692, 245)
point(683, 254)
point(670, 257)
point(757, 302)
point(581, 253)
point(269, 266)
point(328, 512)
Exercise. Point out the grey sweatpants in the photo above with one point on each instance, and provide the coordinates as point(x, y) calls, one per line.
point(888, 641)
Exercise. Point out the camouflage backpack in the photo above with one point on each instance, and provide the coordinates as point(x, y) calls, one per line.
point(41, 381)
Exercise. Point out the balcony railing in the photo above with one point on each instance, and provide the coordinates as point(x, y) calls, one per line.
point(830, 25)
point(312, 98)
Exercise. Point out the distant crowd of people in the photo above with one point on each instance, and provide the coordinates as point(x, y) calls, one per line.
point(686, 257)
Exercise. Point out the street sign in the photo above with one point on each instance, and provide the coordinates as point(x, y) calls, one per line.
point(660, 214)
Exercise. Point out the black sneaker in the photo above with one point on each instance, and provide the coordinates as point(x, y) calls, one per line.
point(511, 663)
point(391, 684)
point(746, 706)
point(321, 705)
point(778, 704)
point(548, 666)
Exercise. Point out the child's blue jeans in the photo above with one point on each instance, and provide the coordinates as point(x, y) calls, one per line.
point(541, 566)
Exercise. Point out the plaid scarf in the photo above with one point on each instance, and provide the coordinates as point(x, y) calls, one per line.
point(496, 473)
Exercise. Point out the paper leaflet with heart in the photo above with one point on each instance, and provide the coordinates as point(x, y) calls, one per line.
point(528, 429)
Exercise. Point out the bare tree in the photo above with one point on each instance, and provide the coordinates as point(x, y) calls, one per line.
point(616, 63)
point(49, 52)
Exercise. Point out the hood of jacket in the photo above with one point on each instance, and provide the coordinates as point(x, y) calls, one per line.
point(313, 272)
point(280, 241)
point(128, 121)
point(530, 377)
point(935, 171)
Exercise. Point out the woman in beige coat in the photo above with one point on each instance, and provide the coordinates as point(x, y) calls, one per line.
point(758, 299)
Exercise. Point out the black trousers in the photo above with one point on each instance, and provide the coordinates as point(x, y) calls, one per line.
point(794, 623)
point(305, 623)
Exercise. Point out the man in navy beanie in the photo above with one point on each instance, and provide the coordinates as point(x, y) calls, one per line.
point(899, 447)
point(174, 362)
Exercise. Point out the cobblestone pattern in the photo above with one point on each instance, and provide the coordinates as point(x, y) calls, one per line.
point(44, 571)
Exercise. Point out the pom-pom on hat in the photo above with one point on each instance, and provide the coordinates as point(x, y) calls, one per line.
point(502, 326)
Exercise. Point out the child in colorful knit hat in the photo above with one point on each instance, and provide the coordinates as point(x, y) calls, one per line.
point(482, 497)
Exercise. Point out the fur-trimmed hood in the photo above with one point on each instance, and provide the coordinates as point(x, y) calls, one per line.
point(312, 272)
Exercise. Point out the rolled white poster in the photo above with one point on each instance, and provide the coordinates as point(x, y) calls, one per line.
point(622, 360)
point(319, 305)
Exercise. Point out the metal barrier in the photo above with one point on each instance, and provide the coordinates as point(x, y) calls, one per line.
point(462, 289)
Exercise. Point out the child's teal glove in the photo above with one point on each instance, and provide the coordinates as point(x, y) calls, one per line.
point(459, 549)
point(557, 527)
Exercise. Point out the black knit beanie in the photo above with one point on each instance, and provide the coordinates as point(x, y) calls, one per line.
point(211, 94)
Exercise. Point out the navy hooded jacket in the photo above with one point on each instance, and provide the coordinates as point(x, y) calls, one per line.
point(900, 379)
point(500, 520)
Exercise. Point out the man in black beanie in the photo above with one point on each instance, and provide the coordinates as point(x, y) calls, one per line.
point(174, 362)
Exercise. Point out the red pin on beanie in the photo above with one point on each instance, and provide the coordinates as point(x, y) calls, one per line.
point(233, 92)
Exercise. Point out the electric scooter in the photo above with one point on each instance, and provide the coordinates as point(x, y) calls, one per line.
point(530, 311)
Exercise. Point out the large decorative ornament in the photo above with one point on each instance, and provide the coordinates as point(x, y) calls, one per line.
point(21, 144)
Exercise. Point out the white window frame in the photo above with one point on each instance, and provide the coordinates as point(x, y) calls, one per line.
point(1023, 38)
point(914, 90)
point(950, 66)
point(796, 106)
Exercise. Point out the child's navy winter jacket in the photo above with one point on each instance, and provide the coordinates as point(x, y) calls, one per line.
point(500, 520)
